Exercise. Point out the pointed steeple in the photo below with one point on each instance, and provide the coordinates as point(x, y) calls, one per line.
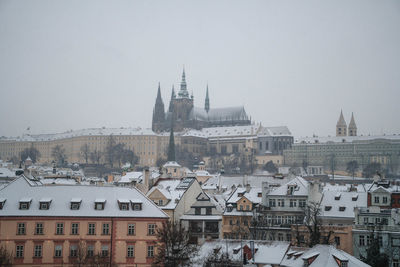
point(207, 102)
point(341, 120)
point(183, 93)
point(173, 96)
point(352, 126)
point(158, 112)
point(341, 126)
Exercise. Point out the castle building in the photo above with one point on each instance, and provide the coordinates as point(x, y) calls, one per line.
point(183, 114)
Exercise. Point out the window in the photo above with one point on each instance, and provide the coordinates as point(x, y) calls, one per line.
point(272, 203)
point(328, 208)
point(137, 206)
point(395, 242)
point(99, 206)
point(281, 203)
point(230, 222)
point(58, 251)
point(130, 252)
point(197, 211)
point(160, 202)
point(106, 228)
point(44, 205)
point(37, 251)
point(91, 229)
point(241, 207)
point(131, 229)
point(90, 250)
point(337, 240)
point(208, 211)
point(395, 263)
point(104, 250)
point(368, 240)
point(24, 205)
point(21, 229)
point(376, 199)
point(293, 203)
point(73, 250)
point(380, 241)
point(123, 206)
point(342, 208)
point(361, 240)
point(59, 228)
point(247, 207)
point(302, 203)
point(39, 229)
point(74, 228)
point(365, 220)
point(384, 200)
point(19, 251)
point(75, 204)
point(151, 230)
point(150, 251)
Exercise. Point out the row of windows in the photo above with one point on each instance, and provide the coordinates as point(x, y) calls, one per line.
point(39, 229)
point(73, 250)
point(292, 202)
point(75, 205)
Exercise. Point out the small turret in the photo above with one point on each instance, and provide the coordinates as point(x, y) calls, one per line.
point(183, 93)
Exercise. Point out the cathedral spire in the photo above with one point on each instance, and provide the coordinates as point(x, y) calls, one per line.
point(207, 102)
point(173, 96)
point(158, 112)
point(183, 93)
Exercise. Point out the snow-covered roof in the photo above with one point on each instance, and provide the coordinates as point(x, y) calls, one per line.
point(252, 195)
point(274, 131)
point(171, 164)
point(345, 139)
point(83, 132)
point(129, 177)
point(271, 253)
point(300, 188)
point(5, 173)
point(61, 196)
point(168, 187)
point(218, 114)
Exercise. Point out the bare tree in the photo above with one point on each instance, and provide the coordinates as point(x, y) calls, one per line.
point(173, 247)
point(5, 257)
point(59, 156)
point(95, 156)
point(31, 152)
point(352, 167)
point(110, 151)
point(85, 152)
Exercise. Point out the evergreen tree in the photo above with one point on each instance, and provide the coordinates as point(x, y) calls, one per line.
point(171, 146)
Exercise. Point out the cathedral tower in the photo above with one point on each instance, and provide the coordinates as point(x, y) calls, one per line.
point(341, 126)
point(207, 102)
point(158, 113)
point(352, 126)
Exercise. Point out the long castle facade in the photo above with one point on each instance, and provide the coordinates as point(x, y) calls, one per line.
point(182, 113)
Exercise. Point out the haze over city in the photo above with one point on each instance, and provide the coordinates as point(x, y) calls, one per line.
point(71, 65)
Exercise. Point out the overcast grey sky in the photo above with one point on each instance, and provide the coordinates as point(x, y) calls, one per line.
point(79, 64)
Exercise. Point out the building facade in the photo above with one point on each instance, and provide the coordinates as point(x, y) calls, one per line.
point(70, 225)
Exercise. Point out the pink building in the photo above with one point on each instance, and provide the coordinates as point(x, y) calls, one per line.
point(67, 225)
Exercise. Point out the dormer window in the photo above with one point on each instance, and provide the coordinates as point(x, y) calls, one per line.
point(342, 208)
point(160, 202)
point(44, 203)
point(2, 202)
point(259, 194)
point(229, 208)
point(136, 204)
point(340, 260)
point(354, 197)
point(240, 194)
point(123, 204)
point(24, 203)
point(75, 203)
point(290, 189)
point(99, 204)
point(328, 208)
point(337, 196)
point(308, 259)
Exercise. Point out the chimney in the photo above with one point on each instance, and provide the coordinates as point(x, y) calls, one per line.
point(248, 188)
